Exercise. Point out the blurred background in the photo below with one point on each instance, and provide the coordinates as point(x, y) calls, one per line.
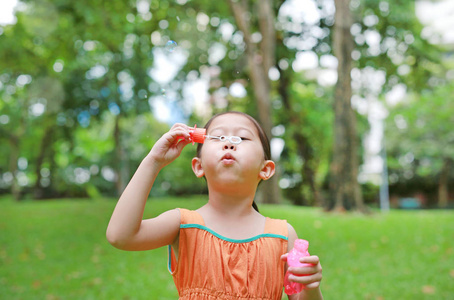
point(356, 96)
point(359, 106)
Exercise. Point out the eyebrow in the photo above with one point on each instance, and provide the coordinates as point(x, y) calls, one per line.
point(235, 129)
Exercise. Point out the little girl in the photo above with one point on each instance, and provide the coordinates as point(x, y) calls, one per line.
point(226, 249)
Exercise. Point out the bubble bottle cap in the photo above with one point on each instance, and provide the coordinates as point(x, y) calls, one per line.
point(197, 135)
point(301, 245)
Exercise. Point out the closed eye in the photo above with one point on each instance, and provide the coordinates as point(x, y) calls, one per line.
point(215, 138)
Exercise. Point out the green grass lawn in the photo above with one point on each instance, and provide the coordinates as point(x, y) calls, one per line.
point(57, 250)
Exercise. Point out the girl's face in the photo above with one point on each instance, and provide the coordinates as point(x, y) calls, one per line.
point(224, 162)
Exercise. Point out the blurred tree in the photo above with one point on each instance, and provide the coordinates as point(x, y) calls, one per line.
point(33, 94)
point(79, 82)
point(294, 106)
point(388, 39)
point(419, 134)
point(307, 139)
point(345, 164)
point(15, 116)
point(391, 55)
point(386, 54)
point(55, 57)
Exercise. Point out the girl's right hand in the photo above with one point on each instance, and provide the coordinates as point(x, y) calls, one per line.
point(170, 145)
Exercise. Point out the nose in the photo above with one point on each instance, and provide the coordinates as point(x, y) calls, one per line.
point(228, 146)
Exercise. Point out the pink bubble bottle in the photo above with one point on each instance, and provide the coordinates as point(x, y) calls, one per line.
point(300, 249)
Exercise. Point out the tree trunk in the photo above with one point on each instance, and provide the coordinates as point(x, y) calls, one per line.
point(14, 143)
point(309, 191)
point(344, 186)
point(259, 62)
point(443, 190)
point(121, 167)
point(38, 191)
point(308, 172)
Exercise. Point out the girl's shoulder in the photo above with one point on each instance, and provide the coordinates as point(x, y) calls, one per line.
point(292, 236)
point(190, 216)
point(276, 226)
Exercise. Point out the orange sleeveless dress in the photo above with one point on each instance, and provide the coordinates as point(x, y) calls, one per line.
point(211, 266)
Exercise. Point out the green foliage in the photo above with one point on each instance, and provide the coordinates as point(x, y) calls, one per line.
point(420, 137)
point(401, 52)
point(58, 249)
point(69, 70)
point(316, 115)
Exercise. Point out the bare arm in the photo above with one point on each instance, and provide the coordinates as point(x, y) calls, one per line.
point(312, 280)
point(126, 229)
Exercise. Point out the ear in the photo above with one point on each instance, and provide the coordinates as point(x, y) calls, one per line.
point(268, 170)
point(197, 167)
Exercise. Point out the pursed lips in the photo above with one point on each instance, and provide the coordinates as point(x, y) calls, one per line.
point(228, 158)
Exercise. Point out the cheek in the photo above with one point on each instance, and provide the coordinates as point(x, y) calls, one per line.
point(256, 150)
point(254, 157)
point(207, 155)
point(205, 150)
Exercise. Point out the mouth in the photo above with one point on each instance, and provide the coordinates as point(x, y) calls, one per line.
point(228, 159)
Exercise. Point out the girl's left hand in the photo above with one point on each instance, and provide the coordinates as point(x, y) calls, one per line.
point(309, 276)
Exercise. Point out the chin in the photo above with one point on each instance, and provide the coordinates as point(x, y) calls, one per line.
point(234, 186)
point(226, 180)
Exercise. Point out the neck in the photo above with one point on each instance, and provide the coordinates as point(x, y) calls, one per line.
point(230, 205)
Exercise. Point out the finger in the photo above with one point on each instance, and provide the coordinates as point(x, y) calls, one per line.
point(284, 257)
point(309, 269)
point(313, 259)
point(180, 125)
point(180, 133)
point(182, 143)
point(306, 280)
point(312, 285)
point(180, 128)
point(300, 271)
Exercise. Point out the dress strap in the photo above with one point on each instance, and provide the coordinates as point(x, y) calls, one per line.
point(190, 217)
point(276, 226)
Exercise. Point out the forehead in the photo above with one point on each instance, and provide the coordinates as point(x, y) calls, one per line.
point(234, 122)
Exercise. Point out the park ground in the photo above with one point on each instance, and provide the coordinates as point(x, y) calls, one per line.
point(57, 250)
